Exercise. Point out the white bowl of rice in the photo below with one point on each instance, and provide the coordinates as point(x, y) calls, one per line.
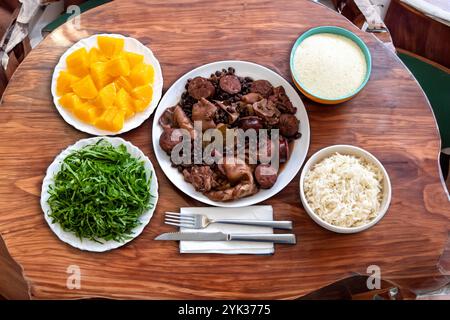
point(345, 189)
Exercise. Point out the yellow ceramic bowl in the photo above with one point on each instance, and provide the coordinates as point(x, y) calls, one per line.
point(342, 32)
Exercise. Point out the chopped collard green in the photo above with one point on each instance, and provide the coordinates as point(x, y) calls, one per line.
point(100, 193)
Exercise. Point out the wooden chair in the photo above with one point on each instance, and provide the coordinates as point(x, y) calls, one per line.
point(417, 33)
point(355, 288)
point(410, 29)
point(9, 11)
point(422, 44)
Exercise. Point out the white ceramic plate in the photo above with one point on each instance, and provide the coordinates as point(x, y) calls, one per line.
point(71, 238)
point(243, 68)
point(358, 152)
point(132, 45)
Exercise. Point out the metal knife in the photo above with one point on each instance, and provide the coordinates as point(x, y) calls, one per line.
point(286, 238)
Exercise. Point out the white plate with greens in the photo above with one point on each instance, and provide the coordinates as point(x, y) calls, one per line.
point(99, 193)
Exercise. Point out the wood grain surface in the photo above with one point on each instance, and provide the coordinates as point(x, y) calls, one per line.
point(391, 118)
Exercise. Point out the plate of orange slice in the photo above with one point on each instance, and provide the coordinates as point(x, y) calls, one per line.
point(107, 84)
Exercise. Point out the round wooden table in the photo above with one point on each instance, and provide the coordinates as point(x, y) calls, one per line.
point(391, 118)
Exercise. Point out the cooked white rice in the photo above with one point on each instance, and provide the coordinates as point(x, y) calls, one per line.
point(344, 190)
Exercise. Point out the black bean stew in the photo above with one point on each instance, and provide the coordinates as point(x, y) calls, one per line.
point(227, 101)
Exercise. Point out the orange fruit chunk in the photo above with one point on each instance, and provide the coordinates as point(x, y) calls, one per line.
point(99, 75)
point(95, 55)
point(86, 112)
point(70, 100)
point(105, 120)
point(106, 96)
point(118, 121)
point(118, 67)
point(110, 46)
point(140, 105)
point(142, 74)
point(78, 62)
point(125, 103)
point(144, 93)
point(133, 58)
point(85, 88)
point(112, 119)
point(123, 83)
point(64, 83)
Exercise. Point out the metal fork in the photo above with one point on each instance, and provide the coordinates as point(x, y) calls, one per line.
point(200, 221)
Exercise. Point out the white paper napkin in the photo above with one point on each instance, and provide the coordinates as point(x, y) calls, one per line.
point(230, 247)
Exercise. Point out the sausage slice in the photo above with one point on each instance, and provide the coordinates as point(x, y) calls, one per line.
point(200, 87)
point(230, 84)
point(289, 125)
point(263, 87)
point(266, 175)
